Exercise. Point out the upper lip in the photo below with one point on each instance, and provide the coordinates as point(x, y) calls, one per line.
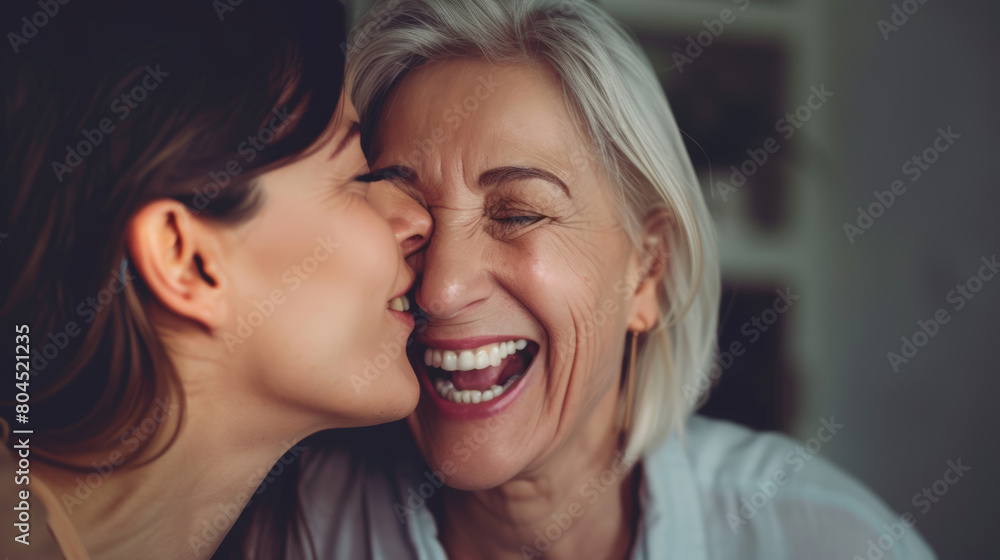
point(467, 343)
point(409, 286)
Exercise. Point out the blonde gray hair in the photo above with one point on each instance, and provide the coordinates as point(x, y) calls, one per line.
point(617, 99)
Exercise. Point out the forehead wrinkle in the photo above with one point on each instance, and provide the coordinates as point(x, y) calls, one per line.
point(545, 157)
point(406, 111)
point(463, 222)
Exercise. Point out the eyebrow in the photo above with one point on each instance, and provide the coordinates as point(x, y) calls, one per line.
point(496, 177)
point(352, 133)
point(489, 179)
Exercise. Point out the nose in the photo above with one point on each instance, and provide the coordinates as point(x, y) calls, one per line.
point(455, 280)
point(410, 222)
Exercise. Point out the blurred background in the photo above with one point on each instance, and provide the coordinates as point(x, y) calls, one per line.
point(797, 112)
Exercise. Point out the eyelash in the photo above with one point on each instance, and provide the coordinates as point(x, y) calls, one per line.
point(511, 226)
point(519, 221)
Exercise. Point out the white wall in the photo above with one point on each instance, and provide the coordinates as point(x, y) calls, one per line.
point(938, 70)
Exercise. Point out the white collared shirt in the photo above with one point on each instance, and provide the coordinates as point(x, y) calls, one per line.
point(725, 492)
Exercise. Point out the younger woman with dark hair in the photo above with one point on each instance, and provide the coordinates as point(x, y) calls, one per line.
point(195, 267)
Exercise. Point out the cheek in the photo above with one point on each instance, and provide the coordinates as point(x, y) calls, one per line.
point(356, 284)
point(368, 253)
point(317, 288)
point(566, 282)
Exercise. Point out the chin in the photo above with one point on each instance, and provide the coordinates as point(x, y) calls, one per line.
point(398, 395)
point(377, 396)
point(473, 454)
point(464, 464)
point(474, 441)
point(472, 478)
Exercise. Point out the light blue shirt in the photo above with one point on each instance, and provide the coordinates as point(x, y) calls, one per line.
point(724, 492)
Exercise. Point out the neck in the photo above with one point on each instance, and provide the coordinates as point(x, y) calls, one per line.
point(560, 510)
point(184, 502)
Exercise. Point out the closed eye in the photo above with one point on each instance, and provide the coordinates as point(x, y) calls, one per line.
point(518, 221)
point(510, 227)
point(388, 174)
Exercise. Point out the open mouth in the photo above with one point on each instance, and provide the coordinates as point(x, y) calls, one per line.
point(399, 307)
point(401, 303)
point(476, 375)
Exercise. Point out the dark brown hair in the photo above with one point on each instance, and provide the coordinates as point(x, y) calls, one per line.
point(111, 105)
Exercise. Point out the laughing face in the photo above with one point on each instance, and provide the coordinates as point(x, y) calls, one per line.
point(320, 291)
point(528, 282)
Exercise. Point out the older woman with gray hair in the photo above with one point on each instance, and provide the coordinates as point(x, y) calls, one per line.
point(568, 301)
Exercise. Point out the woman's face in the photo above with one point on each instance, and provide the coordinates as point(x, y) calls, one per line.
point(316, 323)
point(528, 279)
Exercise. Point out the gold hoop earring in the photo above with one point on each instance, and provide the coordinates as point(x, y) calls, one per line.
point(629, 382)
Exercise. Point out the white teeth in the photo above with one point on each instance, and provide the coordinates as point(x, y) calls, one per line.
point(449, 360)
point(477, 358)
point(447, 390)
point(402, 303)
point(466, 360)
point(483, 359)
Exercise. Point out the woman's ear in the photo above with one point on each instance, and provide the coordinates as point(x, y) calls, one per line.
point(178, 257)
point(644, 311)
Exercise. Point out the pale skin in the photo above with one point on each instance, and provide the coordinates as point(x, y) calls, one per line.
point(524, 258)
point(248, 402)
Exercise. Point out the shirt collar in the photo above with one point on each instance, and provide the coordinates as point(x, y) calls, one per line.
point(671, 522)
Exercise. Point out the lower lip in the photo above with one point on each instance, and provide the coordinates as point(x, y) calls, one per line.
point(454, 411)
point(404, 316)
